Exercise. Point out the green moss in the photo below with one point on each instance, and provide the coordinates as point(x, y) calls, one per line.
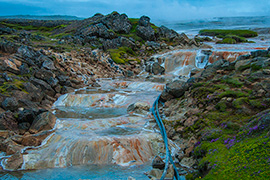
point(256, 103)
point(236, 38)
point(221, 86)
point(234, 82)
point(222, 32)
point(30, 27)
point(255, 67)
point(239, 102)
point(117, 55)
point(221, 106)
point(7, 87)
point(234, 94)
point(227, 41)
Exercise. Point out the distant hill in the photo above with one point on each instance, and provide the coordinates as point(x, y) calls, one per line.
point(54, 17)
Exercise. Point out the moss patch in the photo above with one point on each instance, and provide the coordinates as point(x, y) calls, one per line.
point(120, 55)
point(222, 32)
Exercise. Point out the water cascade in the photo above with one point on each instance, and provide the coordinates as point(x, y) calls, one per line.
point(94, 128)
point(181, 62)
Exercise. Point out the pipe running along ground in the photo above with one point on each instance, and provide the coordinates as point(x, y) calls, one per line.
point(168, 159)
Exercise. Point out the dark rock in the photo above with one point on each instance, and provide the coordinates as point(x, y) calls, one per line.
point(111, 44)
point(10, 103)
point(211, 69)
point(44, 121)
point(24, 69)
point(259, 53)
point(66, 90)
point(18, 94)
point(144, 21)
point(8, 121)
point(126, 42)
point(164, 32)
point(129, 73)
point(146, 33)
point(99, 30)
point(64, 80)
point(34, 92)
point(118, 23)
point(244, 57)
point(7, 77)
point(44, 74)
point(27, 115)
point(53, 82)
point(23, 127)
point(8, 47)
point(157, 68)
point(174, 89)
point(45, 86)
point(28, 54)
point(28, 104)
point(6, 30)
point(153, 44)
point(158, 163)
point(48, 64)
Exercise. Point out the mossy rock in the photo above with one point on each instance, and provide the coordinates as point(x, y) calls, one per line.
point(223, 32)
point(118, 55)
point(227, 41)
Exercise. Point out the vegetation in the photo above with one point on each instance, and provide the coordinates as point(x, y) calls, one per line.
point(229, 36)
point(120, 55)
point(223, 32)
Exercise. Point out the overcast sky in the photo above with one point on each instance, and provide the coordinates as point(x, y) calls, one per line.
point(156, 9)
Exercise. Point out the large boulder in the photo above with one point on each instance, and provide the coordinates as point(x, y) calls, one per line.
point(99, 30)
point(174, 89)
point(164, 32)
point(146, 33)
point(118, 23)
point(155, 68)
point(144, 21)
point(44, 121)
point(8, 65)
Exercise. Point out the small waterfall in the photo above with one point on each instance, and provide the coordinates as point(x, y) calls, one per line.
point(181, 62)
point(202, 58)
point(94, 128)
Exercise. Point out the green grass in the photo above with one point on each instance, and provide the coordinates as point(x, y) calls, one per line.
point(247, 158)
point(222, 32)
point(30, 27)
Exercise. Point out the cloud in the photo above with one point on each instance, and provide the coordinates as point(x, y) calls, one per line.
point(156, 9)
